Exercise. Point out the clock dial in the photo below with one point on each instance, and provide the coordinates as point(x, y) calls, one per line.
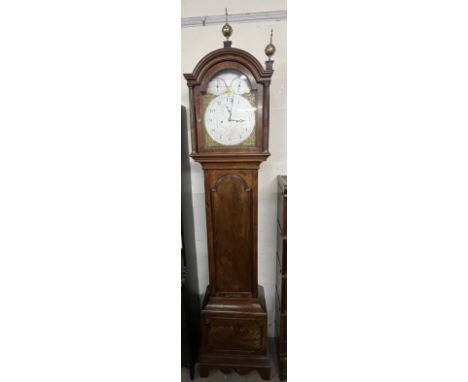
point(229, 81)
point(229, 119)
point(217, 86)
point(240, 85)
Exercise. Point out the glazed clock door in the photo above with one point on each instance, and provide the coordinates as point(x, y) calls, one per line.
point(229, 110)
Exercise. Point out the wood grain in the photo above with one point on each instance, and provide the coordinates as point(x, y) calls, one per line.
point(234, 315)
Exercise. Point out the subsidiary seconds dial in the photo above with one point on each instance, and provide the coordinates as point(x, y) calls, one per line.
point(229, 119)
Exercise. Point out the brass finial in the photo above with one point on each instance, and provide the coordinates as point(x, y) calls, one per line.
point(227, 29)
point(270, 48)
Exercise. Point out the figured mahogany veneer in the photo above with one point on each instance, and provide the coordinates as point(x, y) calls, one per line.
point(234, 315)
point(234, 335)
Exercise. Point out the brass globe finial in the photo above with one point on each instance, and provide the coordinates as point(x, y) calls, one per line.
point(227, 29)
point(270, 49)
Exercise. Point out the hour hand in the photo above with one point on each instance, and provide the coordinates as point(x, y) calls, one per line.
point(237, 120)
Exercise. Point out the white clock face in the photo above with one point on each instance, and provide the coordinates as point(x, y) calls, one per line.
point(240, 85)
point(229, 118)
point(229, 81)
point(217, 86)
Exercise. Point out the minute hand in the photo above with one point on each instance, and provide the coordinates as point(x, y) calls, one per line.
point(230, 113)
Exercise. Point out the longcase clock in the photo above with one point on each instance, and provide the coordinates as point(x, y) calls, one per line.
point(229, 109)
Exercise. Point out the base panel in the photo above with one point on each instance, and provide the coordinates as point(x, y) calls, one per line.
point(234, 335)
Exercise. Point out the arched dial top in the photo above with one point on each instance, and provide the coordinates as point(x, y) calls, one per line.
point(229, 95)
point(228, 54)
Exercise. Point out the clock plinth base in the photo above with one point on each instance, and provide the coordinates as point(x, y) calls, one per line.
point(263, 368)
point(234, 335)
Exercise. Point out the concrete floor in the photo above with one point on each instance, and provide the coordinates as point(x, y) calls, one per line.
point(217, 376)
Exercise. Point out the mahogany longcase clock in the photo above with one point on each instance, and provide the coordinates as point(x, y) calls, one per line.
point(229, 109)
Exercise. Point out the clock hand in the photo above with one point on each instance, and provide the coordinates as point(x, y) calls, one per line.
point(230, 113)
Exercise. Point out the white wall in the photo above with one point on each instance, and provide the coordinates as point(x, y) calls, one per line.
point(252, 37)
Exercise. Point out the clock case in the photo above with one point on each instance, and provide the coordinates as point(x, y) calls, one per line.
point(234, 316)
point(217, 61)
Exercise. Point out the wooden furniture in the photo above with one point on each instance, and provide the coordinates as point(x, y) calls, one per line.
point(190, 296)
point(229, 107)
point(281, 276)
point(186, 353)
